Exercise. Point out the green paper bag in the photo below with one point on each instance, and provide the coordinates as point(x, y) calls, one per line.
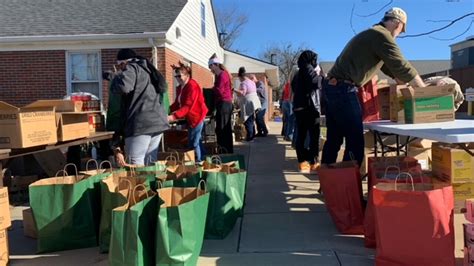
point(133, 229)
point(114, 191)
point(181, 222)
point(226, 187)
point(66, 212)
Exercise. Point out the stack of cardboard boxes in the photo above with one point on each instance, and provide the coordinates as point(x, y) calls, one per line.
point(5, 222)
point(456, 166)
point(43, 122)
point(421, 105)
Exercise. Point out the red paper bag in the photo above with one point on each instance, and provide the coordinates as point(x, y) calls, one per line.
point(369, 102)
point(342, 190)
point(369, 219)
point(377, 166)
point(414, 224)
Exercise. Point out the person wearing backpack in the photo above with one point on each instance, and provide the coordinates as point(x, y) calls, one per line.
point(145, 119)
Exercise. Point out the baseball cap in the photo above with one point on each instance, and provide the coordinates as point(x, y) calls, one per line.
point(398, 13)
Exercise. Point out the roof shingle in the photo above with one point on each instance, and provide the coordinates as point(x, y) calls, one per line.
point(76, 17)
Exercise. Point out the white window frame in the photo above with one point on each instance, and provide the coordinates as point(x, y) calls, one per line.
point(68, 70)
point(203, 20)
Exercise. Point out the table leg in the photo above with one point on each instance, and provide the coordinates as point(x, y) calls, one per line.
point(397, 137)
point(464, 147)
point(375, 143)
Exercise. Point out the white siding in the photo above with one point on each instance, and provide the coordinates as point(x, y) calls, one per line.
point(192, 45)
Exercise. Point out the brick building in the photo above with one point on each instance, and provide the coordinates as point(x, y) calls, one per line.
point(462, 60)
point(51, 48)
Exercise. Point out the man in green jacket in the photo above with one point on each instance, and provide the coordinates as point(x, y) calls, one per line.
point(369, 51)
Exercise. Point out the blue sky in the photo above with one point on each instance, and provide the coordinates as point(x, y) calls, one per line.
point(324, 25)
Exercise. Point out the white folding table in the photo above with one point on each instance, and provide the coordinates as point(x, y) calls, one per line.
point(460, 132)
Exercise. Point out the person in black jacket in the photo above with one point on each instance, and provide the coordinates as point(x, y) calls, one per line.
point(306, 87)
point(145, 119)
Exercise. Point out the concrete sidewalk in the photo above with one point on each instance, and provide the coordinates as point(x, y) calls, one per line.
point(285, 221)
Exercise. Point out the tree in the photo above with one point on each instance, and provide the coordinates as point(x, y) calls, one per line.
point(230, 23)
point(285, 56)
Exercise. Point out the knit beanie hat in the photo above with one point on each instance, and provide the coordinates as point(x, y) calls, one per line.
point(125, 54)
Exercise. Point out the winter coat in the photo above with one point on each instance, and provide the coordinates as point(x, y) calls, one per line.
point(190, 103)
point(306, 84)
point(141, 101)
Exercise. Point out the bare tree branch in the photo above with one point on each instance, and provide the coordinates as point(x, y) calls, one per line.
point(455, 37)
point(439, 29)
point(352, 15)
point(444, 20)
point(285, 57)
point(230, 23)
point(376, 12)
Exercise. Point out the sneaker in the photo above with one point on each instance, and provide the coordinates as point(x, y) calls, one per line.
point(314, 167)
point(304, 167)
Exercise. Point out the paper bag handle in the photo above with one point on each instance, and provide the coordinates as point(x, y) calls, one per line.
point(221, 150)
point(89, 161)
point(159, 184)
point(135, 190)
point(170, 158)
point(351, 155)
point(391, 167)
point(61, 171)
point(75, 168)
point(129, 186)
point(216, 159)
point(177, 155)
point(408, 175)
point(106, 162)
point(201, 184)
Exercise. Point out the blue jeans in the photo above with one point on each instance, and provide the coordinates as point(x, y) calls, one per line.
point(343, 122)
point(289, 119)
point(250, 127)
point(260, 121)
point(194, 141)
point(142, 149)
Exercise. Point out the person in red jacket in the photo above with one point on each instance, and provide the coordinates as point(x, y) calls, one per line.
point(189, 105)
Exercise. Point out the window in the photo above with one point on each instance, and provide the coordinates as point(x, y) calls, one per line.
point(83, 71)
point(203, 20)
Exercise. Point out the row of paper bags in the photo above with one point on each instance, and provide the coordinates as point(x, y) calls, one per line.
point(122, 209)
point(407, 218)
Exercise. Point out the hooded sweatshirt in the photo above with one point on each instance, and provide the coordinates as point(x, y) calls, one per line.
point(142, 109)
point(307, 83)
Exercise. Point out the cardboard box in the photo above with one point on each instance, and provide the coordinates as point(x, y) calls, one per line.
point(5, 218)
point(29, 225)
point(72, 126)
point(96, 122)
point(422, 152)
point(453, 164)
point(4, 249)
point(60, 105)
point(428, 104)
point(397, 113)
point(26, 127)
point(384, 102)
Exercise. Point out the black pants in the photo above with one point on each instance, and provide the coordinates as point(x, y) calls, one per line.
point(224, 126)
point(343, 122)
point(307, 121)
point(250, 127)
point(260, 121)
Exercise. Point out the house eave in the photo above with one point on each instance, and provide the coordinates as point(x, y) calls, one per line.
point(82, 37)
